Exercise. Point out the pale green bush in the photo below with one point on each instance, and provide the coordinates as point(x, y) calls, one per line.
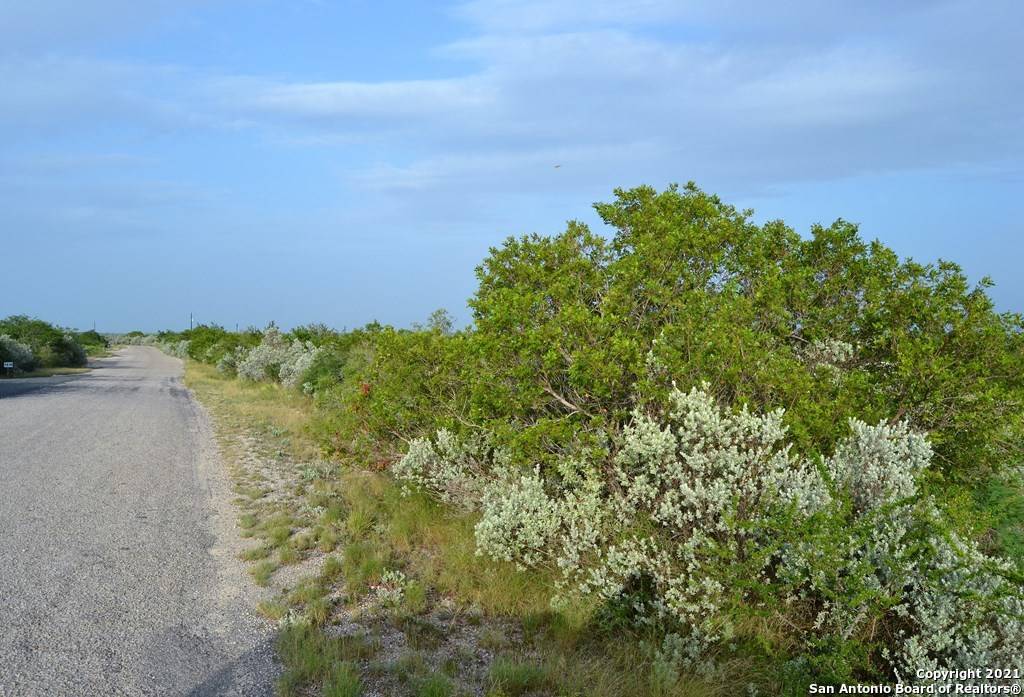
point(452, 469)
point(18, 353)
point(712, 508)
point(228, 363)
point(519, 521)
point(178, 349)
point(297, 361)
point(276, 358)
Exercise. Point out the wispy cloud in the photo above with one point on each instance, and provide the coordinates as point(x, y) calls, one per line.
point(538, 15)
point(179, 124)
point(614, 92)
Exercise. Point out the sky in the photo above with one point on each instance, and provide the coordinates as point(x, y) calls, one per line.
point(341, 162)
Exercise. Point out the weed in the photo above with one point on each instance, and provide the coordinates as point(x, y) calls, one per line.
point(255, 553)
point(362, 563)
point(262, 572)
point(287, 556)
point(319, 611)
point(515, 677)
point(331, 569)
point(420, 633)
point(310, 656)
point(272, 609)
point(434, 685)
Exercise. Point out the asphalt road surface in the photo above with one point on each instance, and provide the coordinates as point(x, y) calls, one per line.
point(117, 572)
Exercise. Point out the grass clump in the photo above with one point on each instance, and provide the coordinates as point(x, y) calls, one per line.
point(332, 569)
point(262, 571)
point(287, 556)
point(409, 666)
point(311, 657)
point(278, 535)
point(420, 633)
point(362, 563)
point(307, 591)
point(434, 685)
point(319, 611)
point(327, 540)
point(511, 676)
point(256, 553)
point(272, 609)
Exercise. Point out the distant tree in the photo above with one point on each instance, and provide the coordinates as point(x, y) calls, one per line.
point(441, 321)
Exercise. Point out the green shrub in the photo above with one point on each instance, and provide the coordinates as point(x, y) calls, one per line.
point(573, 331)
point(559, 418)
point(706, 518)
point(17, 353)
point(52, 346)
point(93, 342)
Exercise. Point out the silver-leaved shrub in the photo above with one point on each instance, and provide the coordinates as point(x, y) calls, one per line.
point(711, 509)
point(18, 353)
point(451, 469)
point(228, 363)
point(276, 358)
point(298, 359)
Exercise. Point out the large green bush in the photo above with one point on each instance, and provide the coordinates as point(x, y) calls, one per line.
point(52, 346)
point(573, 331)
point(387, 385)
point(210, 343)
point(565, 417)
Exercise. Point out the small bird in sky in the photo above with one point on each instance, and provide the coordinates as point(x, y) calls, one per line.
point(557, 166)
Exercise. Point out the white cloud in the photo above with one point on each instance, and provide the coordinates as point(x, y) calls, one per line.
point(542, 15)
point(333, 102)
point(615, 92)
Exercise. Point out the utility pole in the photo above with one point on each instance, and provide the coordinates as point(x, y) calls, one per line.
point(190, 321)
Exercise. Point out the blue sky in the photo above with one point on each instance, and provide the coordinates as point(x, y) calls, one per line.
point(310, 160)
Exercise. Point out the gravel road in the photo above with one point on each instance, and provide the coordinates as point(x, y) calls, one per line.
point(118, 567)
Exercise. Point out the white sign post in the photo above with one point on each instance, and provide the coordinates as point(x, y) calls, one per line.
point(8, 364)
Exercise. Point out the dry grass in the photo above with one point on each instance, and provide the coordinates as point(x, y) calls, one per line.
point(242, 407)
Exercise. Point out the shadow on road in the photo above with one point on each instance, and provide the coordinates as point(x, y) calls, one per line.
point(14, 387)
point(241, 675)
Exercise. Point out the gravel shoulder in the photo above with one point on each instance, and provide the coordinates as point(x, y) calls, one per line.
point(119, 572)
